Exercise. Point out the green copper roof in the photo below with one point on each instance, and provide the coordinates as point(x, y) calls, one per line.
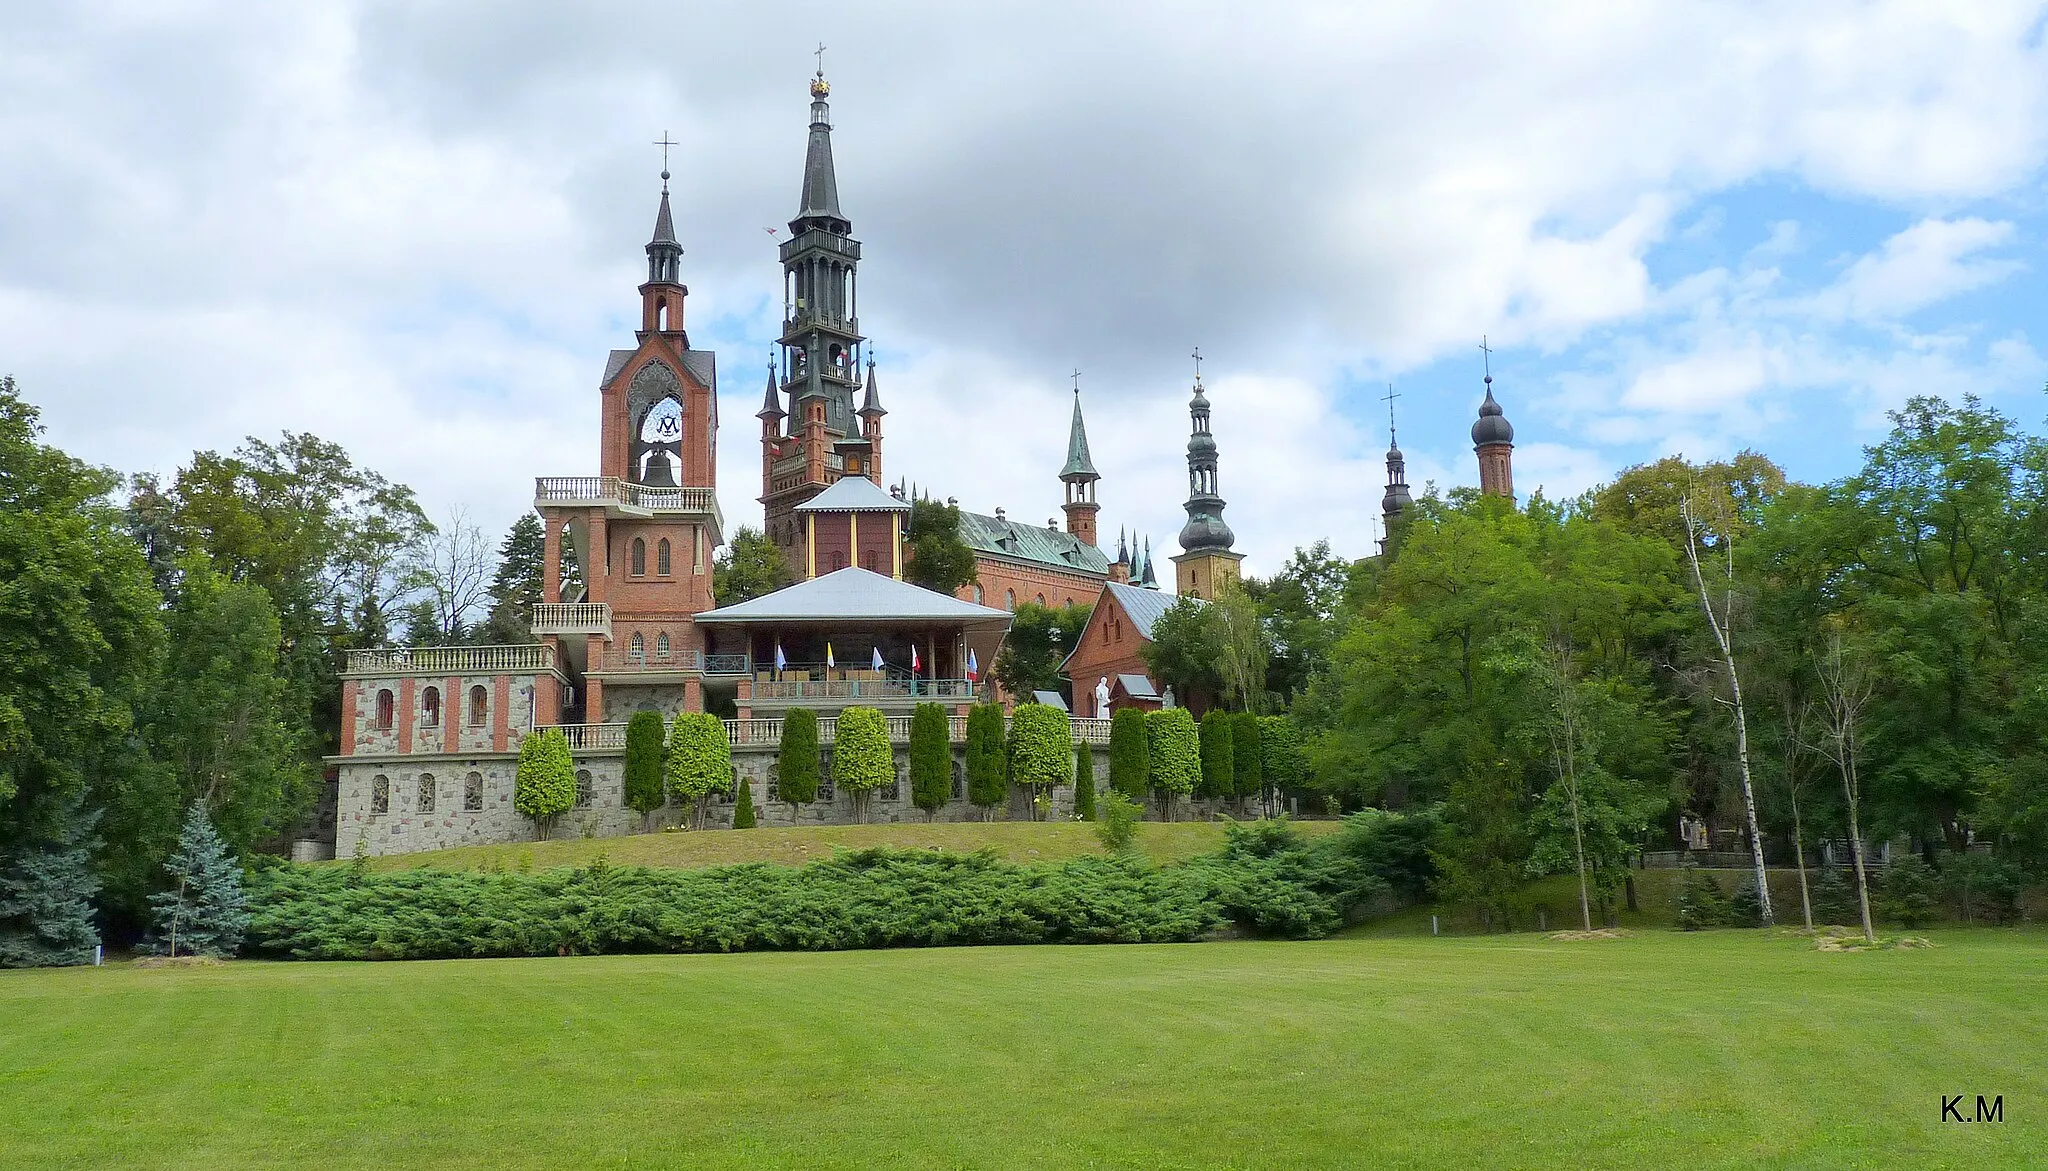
point(1048, 547)
point(1078, 463)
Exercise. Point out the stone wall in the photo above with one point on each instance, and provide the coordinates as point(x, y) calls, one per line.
point(405, 827)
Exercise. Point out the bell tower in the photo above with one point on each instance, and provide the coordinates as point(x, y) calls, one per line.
point(1493, 441)
point(1206, 562)
point(1080, 477)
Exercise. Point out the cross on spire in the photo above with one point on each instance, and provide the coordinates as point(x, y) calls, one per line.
point(1197, 356)
point(664, 142)
point(1486, 358)
point(1390, 396)
point(820, 54)
point(1077, 380)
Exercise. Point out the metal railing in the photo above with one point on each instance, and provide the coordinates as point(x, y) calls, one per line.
point(625, 494)
point(854, 690)
point(761, 732)
point(572, 618)
point(724, 664)
point(452, 660)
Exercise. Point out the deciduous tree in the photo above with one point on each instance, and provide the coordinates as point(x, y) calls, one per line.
point(1041, 750)
point(545, 787)
point(698, 762)
point(862, 760)
point(1173, 755)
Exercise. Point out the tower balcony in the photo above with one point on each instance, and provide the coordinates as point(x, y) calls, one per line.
point(622, 498)
point(572, 618)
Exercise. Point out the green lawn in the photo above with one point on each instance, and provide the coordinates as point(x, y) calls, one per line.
point(1013, 841)
point(1661, 1049)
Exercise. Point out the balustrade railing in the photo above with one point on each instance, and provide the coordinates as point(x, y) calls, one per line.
point(725, 664)
point(451, 660)
point(613, 490)
point(572, 618)
point(1091, 731)
point(767, 733)
point(591, 736)
point(790, 691)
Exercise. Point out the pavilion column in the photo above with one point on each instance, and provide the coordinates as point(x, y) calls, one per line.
point(551, 558)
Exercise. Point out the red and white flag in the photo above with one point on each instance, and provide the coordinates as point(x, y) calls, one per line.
point(916, 664)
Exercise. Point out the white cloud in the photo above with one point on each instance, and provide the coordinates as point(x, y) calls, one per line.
point(1929, 262)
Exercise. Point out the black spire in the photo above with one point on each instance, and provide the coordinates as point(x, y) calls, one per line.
point(821, 341)
point(771, 402)
point(871, 406)
point(821, 185)
point(664, 255)
point(1079, 465)
point(1205, 530)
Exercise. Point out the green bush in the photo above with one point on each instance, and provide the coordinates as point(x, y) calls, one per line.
point(1282, 761)
point(1084, 782)
point(1219, 752)
point(743, 807)
point(644, 783)
point(1129, 771)
point(1700, 902)
point(986, 784)
point(931, 758)
point(862, 760)
point(1173, 754)
point(1041, 749)
point(866, 898)
point(1396, 848)
point(1118, 829)
point(796, 765)
point(1905, 895)
point(1245, 755)
point(545, 787)
point(1982, 887)
point(699, 761)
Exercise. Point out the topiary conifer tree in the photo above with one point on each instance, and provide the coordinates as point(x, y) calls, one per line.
point(1247, 757)
point(644, 787)
point(743, 808)
point(931, 758)
point(1173, 755)
point(1219, 764)
point(205, 911)
point(1041, 750)
point(987, 785)
point(796, 767)
point(546, 785)
point(862, 760)
point(1129, 771)
point(699, 761)
point(46, 892)
point(1084, 782)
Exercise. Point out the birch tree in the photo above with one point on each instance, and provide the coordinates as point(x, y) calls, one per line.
point(1567, 728)
point(1720, 623)
point(1845, 691)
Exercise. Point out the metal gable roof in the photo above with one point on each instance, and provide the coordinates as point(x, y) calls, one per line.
point(1033, 543)
point(853, 494)
point(854, 593)
point(1143, 605)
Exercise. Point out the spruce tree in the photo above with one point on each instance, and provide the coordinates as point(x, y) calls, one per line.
point(46, 892)
point(1130, 773)
point(644, 787)
point(1084, 782)
point(796, 768)
point(204, 912)
point(987, 780)
point(931, 758)
point(743, 808)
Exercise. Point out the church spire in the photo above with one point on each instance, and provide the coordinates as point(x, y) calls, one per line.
point(1493, 440)
point(1396, 500)
point(661, 297)
point(771, 402)
point(821, 186)
point(1207, 561)
point(1079, 476)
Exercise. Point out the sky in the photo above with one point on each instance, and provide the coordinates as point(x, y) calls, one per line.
point(416, 229)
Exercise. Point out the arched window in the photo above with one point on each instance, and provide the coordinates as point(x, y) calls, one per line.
point(479, 706)
point(1009, 599)
point(473, 793)
point(839, 560)
point(639, 558)
point(384, 710)
point(583, 788)
point(661, 558)
point(380, 794)
point(977, 595)
point(661, 643)
point(638, 647)
point(430, 707)
point(426, 802)
point(1041, 599)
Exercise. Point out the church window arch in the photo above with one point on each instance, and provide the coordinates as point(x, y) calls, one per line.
point(638, 647)
point(661, 645)
point(1010, 600)
point(473, 793)
point(585, 791)
point(384, 709)
point(479, 706)
point(426, 797)
point(977, 595)
point(663, 558)
point(380, 794)
point(638, 558)
point(1041, 599)
point(430, 707)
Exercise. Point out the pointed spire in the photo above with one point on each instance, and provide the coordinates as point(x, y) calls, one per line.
point(871, 406)
point(821, 184)
point(1151, 580)
point(1079, 465)
point(771, 402)
point(664, 254)
point(664, 221)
